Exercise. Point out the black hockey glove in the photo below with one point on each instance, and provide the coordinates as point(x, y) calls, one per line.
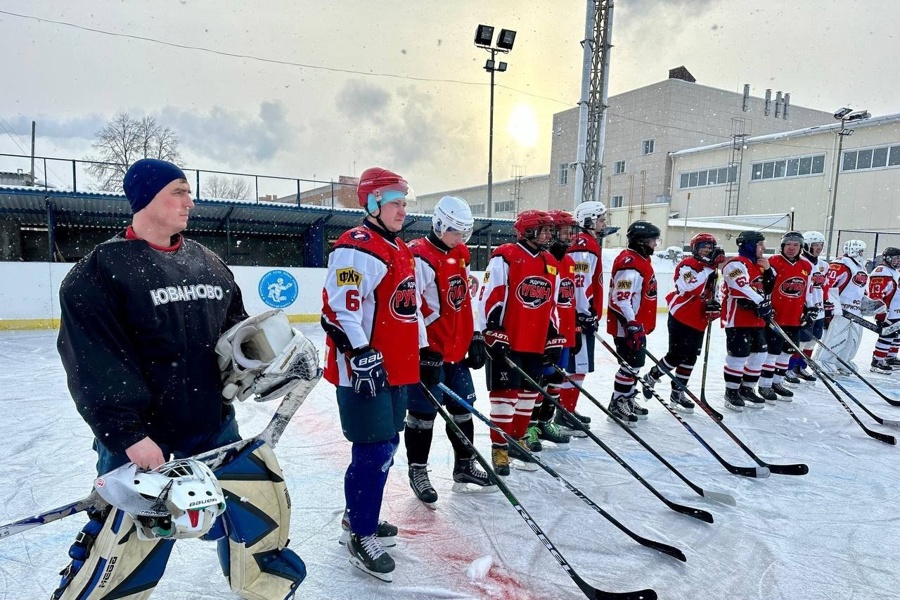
point(367, 374)
point(829, 312)
point(579, 341)
point(764, 310)
point(477, 352)
point(606, 231)
point(810, 314)
point(587, 322)
point(431, 367)
point(712, 310)
point(635, 338)
point(497, 344)
point(553, 349)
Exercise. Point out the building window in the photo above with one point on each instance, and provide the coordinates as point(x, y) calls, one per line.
point(800, 166)
point(616, 202)
point(619, 167)
point(505, 206)
point(477, 209)
point(563, 173)
point(648, 146)
point(871, 158)
point(717, 176)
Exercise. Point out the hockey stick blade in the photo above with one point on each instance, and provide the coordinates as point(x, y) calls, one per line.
point(885, 331)
point(795, 469)
point(49, 516)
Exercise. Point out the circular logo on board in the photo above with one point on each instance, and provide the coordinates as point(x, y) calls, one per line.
point(278, 288)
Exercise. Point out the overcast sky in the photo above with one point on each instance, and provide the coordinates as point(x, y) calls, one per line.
point(399, 83)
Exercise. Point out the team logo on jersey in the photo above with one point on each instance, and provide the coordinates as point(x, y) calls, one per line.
point(277, 288)
point(818, 279)
point(652, 290)
point(348, 276)
point(403, 301)
point(624, 284)
point(534, 292)
point(860, 278)
point(793, 287)
point(360, 235)
point(566, 295)
point(689, 277)
point(735, 273)
point(473, 285)
point(582, 267)
point(457, 291)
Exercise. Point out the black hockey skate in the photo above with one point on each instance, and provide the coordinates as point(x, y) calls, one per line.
point(804, 374)
point(466, 472)
point(880, 366)
point(893, 361)
point(421, 485)
point(647, 383)
point(751, 400)
point(386, 532)
point(783, 393)
point(636, 409)
point(532, 439)
point(767, 394)
point(550, 432)
point(791, 378)
point(585, 420)
point(566, 426)
point(368, 555)
point(733, 400)
point(620, 407)
point(681, 402)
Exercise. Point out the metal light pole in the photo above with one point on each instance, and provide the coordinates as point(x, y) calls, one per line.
point(484, 39)
point(843, 115)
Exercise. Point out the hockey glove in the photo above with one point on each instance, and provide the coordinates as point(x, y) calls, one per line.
point(764, 310)
point(477, 352)
point(635, 338)
point(713, 310)
point(587, 322)
point(553, 349)
point(497, 343)
point(431, 367)
point(810, 314)
point(579, 341)
point(606, 231)
point(829, 312)
point(367, 374)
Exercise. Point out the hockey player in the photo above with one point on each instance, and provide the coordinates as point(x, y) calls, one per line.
point(793, 308)
point(141, 315)
point(883, 282)
point(747, 284)
point(847, 280)
point(585, 250)
point(516, 310)
point(442, 275)
point(813, 244)
point(374, 327)
point(692, 306)
point(632, 314)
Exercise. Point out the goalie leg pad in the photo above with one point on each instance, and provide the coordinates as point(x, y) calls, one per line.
point(109, 561)
point(254, 555)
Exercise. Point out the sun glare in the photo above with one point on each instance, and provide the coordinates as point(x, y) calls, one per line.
point(523, 125)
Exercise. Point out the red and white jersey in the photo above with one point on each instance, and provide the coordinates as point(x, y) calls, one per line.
point(585, 251)
point(741, 278)
point(883, 286)
point(442, 276)
point(687, 302)
point(792, 285)
point(565, 299)
point(848, 284)
point(370, 298)
point(818, 282)
point(632, 293)
point(519, 295)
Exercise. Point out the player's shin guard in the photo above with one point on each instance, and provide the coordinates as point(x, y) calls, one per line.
point(752, 368)
point(254, 555)
point(568, 393)
point(460, 450)
point(524, 408)
point(503, 407)
point(109, 561)
point(417, 436)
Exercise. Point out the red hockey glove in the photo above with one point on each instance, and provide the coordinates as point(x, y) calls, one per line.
point(497, 343)
point(635, 338)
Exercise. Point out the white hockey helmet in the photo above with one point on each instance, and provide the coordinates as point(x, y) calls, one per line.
point(855, 249)
point(452, 214)
point(588, 212)
point(180, 499)
point(813, 237)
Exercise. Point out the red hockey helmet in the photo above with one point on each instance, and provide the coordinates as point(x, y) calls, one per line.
point(563, 226)
point(714, 257)
point(529, 224)
point(377, 185)
point(561, 217)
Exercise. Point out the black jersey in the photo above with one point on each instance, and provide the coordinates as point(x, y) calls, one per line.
point(137, 339)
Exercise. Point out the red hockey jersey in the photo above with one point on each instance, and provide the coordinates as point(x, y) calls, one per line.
point(883, 286)
point(632, 293)
point(519, 295)
point(442, 276)
point(565, 299)
point(687, 302)
point(585, 251)
point(792, 286)
point(370, 298)
point(741, 278)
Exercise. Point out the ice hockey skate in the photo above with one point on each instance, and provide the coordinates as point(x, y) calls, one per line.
point(550, 432)
point(520, 459)
point(421, 485)
point(636, 409)
point(500, 460)
point(679, 401)
point(386, 532)
point(733, 400)
point(880, 366)
point(468, 477)
point(783, 393)
point(751, 400)
point(767, 394)
point(620, 407)
point(647, 383)
point(368, 555)
point(566, 426)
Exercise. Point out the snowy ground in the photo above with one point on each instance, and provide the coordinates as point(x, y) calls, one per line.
point(832, 534)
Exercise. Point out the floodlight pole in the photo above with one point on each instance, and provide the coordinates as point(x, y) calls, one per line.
point(843, 115)
point(490, 189)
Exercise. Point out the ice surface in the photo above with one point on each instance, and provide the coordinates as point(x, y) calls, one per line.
point(832, 534)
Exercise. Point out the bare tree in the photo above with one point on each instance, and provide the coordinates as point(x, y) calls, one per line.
point(125, 140)
point(224, 187)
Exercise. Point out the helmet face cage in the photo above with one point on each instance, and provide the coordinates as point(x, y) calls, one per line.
point(891, 257)
point(854, 248)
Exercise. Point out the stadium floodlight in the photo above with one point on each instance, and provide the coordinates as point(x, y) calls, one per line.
point(484, 35)
point(843, 115)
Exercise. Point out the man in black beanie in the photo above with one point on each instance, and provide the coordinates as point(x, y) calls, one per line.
point(140, 319)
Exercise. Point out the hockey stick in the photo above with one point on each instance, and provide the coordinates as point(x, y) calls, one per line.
point(717, 496)
point(759, 472)
point(850, 368)
point(696, 513)
point(585, 587)
point(789, 469)
point(881, 437)
point(213, 458)
point(658, 546)
point(715, 414)
point(884, 330)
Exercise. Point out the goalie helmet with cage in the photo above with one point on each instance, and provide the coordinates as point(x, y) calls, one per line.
point(452, 215)
point(179, 499)
point(891, 257)
point(855, 249)
point(263, 356)
point(534, 226)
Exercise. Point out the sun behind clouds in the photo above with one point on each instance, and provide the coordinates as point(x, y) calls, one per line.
point(523, 125)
